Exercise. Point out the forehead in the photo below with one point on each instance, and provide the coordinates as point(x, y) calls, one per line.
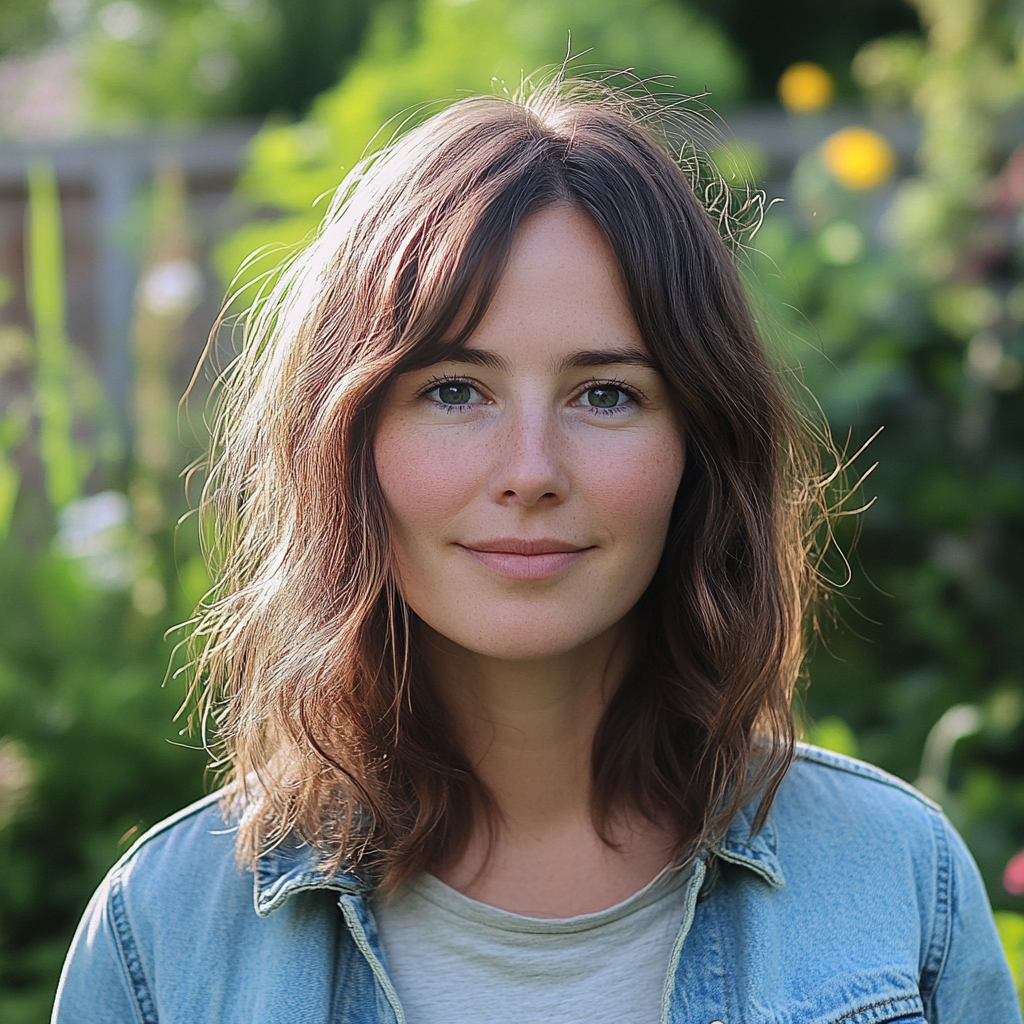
point(561, 291)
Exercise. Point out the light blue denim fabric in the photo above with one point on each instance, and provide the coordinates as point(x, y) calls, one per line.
point(856, 904)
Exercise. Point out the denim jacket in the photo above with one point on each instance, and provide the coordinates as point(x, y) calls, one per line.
point(857, 903)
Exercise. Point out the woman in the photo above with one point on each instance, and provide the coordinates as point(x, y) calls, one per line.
point(510, 515)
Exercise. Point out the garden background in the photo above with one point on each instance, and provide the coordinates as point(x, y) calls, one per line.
point(147, 146)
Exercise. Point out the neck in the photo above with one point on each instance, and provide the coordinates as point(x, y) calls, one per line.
point(528, 726)
point(528, 729)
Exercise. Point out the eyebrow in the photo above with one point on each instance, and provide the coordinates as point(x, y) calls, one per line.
point(575, 361)
point(607, 357)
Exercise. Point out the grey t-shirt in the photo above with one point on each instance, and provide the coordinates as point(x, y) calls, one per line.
point(456, 961)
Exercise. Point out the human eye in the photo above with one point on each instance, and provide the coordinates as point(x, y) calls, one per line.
point(452, 394)
point(607, 398)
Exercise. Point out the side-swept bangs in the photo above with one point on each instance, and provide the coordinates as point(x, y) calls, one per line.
point(306, 654)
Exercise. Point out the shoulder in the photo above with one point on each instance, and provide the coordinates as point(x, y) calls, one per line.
point(175, 929)
point(843, 792)
point(892, 885)
point(204, 821)
point(821, 772)
point(180, 878)
point(833, 812)
point(161, 903)
point(193, 846)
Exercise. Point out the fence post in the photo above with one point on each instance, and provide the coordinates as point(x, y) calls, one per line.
point(115, 182)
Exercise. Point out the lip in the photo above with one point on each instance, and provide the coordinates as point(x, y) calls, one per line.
point(520, 559)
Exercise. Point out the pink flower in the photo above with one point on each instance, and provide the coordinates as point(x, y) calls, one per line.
point(1013, 876)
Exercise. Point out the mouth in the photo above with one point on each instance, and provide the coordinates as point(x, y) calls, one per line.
point(521, 559)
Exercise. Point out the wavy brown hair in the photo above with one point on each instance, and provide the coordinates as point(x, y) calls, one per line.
point(305, 654)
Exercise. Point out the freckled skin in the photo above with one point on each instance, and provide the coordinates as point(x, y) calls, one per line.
point(527, 449)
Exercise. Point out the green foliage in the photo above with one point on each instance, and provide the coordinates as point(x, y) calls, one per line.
point(89, 752)
point(833, 733)
point(175, 61)
point(889, 70)
point(1011, 932)
point(13, 348)
point(313, 43)
point(899, 308)
point(448, 50)
point(186, 60)
point(23, 23)
point(80, 673)
point(9, 481)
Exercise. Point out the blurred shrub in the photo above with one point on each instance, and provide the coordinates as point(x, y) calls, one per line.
point(889, 71)
point(172, 61)
point(833, 733)
point(185, 60)
point(449, 49)
point(89, 752)
point(897, 303)
point(23, 24)
point(90, 729)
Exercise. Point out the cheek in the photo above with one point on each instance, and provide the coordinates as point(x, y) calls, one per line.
point(635, 487)
point(425, 475)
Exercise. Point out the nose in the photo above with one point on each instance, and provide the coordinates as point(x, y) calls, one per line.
point(530, 465)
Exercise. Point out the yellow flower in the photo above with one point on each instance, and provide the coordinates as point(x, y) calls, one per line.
point(805, 87)
point(858, 157)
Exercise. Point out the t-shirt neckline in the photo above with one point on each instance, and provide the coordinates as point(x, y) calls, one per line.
point(668, 881)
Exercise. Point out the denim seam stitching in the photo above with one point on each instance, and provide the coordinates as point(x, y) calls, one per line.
point(130, 953)
point(728, 990)
point(194, 809)
point(875, 1006)
point(863, 771)
point(938, 948)
point(380, 974)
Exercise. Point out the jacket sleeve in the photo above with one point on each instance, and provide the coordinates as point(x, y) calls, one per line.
point(972, 984)
point(96, 984)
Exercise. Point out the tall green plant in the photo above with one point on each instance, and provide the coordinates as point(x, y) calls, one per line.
point(45, 272)
point(10, 477)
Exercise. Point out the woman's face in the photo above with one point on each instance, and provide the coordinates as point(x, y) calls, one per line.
point(530, 480)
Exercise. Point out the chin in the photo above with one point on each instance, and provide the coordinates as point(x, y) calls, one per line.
point(516, 647)
point(524, 637)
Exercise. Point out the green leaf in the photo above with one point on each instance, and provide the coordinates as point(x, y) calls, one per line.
point(9, 480)
point(834, 734)
point(1011, 935)
point(46, 301)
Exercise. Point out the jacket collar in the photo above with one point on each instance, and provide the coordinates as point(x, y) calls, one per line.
point(292, 866)
point(756, 851)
